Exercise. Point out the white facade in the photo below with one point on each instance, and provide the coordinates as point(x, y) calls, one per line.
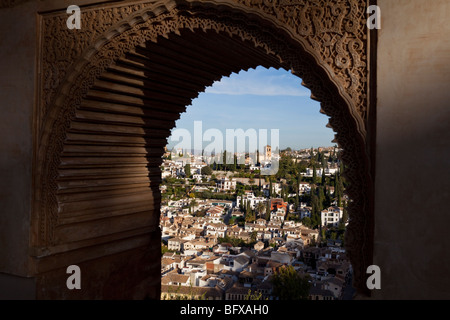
point(226, 184)
point(216, 229)
point(304, 188)
point(249, 198)
point(276, 187)
point(278, 215)
point(331, 216)
point(310, 171)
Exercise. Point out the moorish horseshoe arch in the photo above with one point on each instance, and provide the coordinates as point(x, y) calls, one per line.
point(327, 45)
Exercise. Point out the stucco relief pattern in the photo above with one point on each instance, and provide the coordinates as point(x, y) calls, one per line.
point(336, 30)
point(62, 46)
point(333, 30)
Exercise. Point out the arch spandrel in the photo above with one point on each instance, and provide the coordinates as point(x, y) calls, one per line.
point(334, 33)
point(324, 45)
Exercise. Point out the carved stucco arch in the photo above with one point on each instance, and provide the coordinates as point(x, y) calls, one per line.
point(339, 82)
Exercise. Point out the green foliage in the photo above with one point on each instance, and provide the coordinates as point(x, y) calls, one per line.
point(235, 242)
point(268, 209)
point(206, 171)
point(306, 221)
point(249, 215)
point(314, 175)
point(176, 295)
point(257, 295)
point(289, 285)
point(216, 196)
point(260, 207)
point(187, 170)
point(164, 249)
point(240, 221)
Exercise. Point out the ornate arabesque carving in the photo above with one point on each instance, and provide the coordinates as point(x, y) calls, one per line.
point(330, 33)
point(62, 46)
point(336, 31)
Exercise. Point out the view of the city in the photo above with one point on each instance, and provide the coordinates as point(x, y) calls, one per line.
point(231, 230)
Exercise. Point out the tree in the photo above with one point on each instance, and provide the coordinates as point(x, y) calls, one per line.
point(256, 295)
point(306, 221)
point(187, 170)
point(321, 195)
point(270, 187)
point(253, 236)
point(268, 209)
point(207, 171)
point(260, 207)
point(324, 160)
point(345, 213)
point(323, 235)
point(164, 248)
point(314, 174)
point(234, 165)
point(250, 216)
point(289, 285)
point(324, 177)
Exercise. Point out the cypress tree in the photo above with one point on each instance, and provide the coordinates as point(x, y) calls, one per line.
point(324, 181)
point(268, 210)
point(270, 187)
point(321, 197)
point(314, 175)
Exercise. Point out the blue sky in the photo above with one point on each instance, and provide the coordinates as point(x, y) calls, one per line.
point(261, 99)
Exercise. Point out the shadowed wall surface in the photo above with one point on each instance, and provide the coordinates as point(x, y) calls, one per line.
point(412, 185)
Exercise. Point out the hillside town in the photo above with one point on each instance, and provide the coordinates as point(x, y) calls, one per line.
point(227, 231)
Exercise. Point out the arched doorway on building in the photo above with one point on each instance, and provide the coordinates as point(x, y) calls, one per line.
point(104, 127)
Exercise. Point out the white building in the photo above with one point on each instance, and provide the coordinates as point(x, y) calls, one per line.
point(331, 216)
point(216, 229)
point(276, 187)
point(249, 198)
point(304, 188)
point(278, 215)
point(310, 171)
point(216, 214)
point(226, 184)
point(171, 168)
point(176, 244)
point(196, 167)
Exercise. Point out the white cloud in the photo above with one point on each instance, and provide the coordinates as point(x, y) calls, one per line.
point(258, 82)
